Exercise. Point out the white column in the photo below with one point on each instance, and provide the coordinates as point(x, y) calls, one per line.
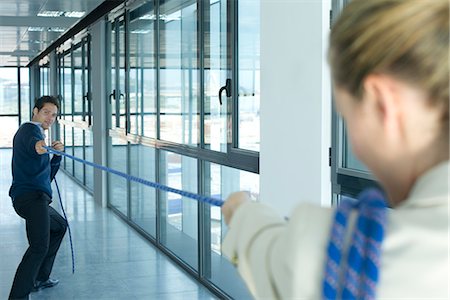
point(295, 104)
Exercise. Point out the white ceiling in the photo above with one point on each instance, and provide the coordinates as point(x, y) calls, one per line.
point(19, 42)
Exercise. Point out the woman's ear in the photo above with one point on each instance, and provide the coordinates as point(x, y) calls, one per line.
point(382, 95)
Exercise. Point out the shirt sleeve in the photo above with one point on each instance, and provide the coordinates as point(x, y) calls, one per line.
point(54, 165)
point(278, 259)
point(30, 135)
point(248, 244)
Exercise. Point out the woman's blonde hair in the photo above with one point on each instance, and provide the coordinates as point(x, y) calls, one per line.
point(408, 39)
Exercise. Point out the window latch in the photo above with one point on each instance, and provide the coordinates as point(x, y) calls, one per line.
point(227, 88)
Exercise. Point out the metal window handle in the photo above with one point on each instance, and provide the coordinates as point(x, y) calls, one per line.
point(113, 95)
point(227, 88)
point(87, 98)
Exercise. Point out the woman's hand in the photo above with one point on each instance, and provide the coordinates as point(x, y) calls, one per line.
point(232, 203)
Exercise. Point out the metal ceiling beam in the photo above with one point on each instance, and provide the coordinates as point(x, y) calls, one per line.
point(89, 19)
point(21, 21)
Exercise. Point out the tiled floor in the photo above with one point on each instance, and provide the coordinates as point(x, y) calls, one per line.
point(111, 260)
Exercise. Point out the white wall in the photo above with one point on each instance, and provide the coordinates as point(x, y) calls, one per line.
point(295, 103)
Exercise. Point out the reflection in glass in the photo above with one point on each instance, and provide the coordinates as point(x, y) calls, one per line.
point(179, 74)
point(179, 220)
point(249, 74)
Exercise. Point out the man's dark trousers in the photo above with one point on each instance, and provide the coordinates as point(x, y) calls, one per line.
point(45, 230)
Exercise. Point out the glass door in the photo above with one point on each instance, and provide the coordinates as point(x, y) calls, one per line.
point(231, 85)
point(175, 117)
point(142, 95)
point(217, 72)
point(87, 111)
point(179, 123)
point(118, 187)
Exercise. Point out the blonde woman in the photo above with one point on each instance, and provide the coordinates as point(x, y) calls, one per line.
point(390, 68)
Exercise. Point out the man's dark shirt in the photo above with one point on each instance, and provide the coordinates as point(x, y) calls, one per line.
point(30, 170)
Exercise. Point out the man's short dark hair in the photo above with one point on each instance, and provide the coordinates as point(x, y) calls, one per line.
point(39, 103)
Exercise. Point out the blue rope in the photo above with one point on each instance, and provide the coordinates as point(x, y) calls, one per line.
point(68, 227)
point(209, 200)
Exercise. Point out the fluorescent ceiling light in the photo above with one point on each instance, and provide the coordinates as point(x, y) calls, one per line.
point(56, 14)
point(140, 31)
point(50, 29)
point(56, 29)
point(74, 14)
point(172, 17)
point(50, 13)
point(36, 28)
point(148, 17)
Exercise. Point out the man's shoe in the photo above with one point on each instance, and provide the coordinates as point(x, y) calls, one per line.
point(40, 285)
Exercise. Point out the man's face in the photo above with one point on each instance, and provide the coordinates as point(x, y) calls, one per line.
point(46, 115)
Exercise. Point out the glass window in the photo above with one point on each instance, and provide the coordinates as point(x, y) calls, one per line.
point(73, 73)
point(249, 74)
point(68, 148)
point(78, 150)
point(188, 78)
point(77, 81)
point(118, 57)
point(61, 78)
point(223, 181)
point(9, 108)
point(179, 215)
point(9, 127)
point(25, 108)
point(216, 72)
point(142, 72)
point(118, 188)
point(9, 87)
point(142, 197)
point(350, 161)
point(44, 78)
point(121, 88)
point(89, 156)
point(86, 77)
point(179, 73)
point(349, 175)
point(67, 96)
